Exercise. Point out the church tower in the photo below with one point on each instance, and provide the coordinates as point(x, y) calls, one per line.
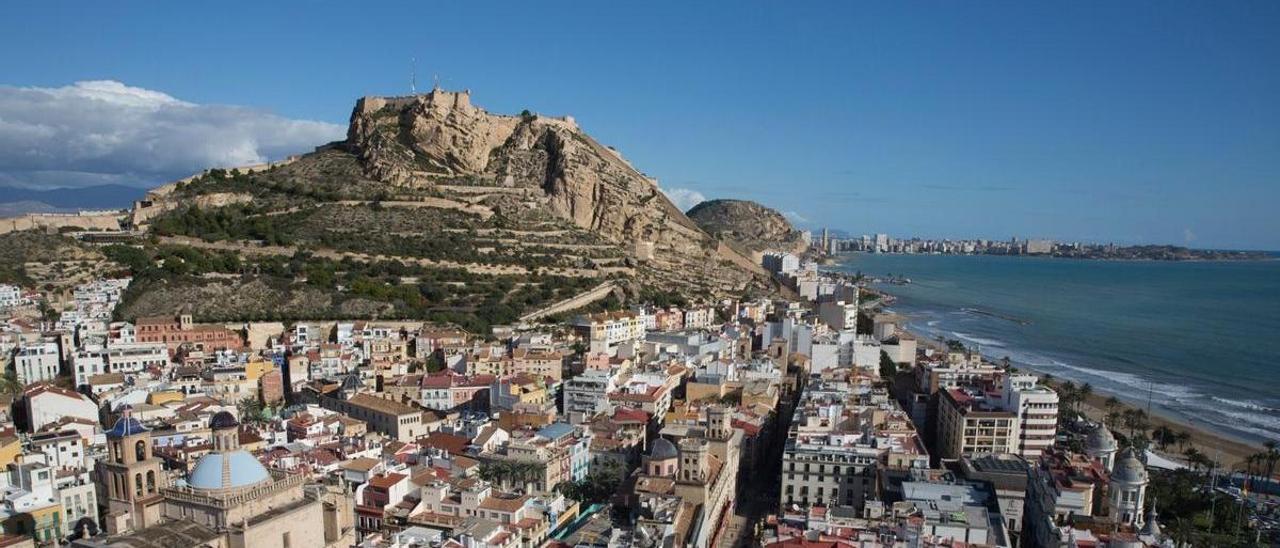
point(719, 426)
point(130, 479)
point(694, 467)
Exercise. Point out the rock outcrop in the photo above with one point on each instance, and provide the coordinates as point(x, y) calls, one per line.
point(748, 226)
point(440, 139)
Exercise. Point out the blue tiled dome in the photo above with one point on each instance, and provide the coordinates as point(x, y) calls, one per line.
point(663, 449)
point(126, 426)
point(227, 470)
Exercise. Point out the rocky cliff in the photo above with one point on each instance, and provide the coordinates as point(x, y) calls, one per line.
point(485, 216)
point(748, 226)
point(440, 140)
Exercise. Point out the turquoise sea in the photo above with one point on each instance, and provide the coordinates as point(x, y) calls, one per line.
point(1199, 340)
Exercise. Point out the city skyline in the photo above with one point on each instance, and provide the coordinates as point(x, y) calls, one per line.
point(1091, 122)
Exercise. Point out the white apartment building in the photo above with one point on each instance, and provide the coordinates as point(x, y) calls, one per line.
point(37, 362)
point(831, 457)
point(605, 331)
point(780, 263)
point(10, 296)
point(63, 450)
point(1036, 407)
point(87, 363)
point(699, 317)
point(587, 394)
point(135, 357)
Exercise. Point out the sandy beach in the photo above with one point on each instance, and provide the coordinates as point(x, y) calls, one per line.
point(1223, 449)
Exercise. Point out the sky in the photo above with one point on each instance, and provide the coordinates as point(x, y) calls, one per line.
point(1132, 122)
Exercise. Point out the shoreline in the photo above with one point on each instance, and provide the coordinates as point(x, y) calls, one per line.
point(1227, 450)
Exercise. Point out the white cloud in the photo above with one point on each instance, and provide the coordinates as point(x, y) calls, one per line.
point(684, 198)
point(106, 132)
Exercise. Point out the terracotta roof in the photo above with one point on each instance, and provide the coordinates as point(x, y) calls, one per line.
point(362, 464)
point(382, 405)
point(448, 443)
point(385, 482)
point(501, 503)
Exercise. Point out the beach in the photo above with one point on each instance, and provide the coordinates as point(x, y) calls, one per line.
point(1225, 450)
point(1194, 341)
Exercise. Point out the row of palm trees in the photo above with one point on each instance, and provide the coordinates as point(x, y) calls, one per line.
point(1254, 465)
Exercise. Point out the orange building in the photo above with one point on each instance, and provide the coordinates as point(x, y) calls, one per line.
point(179, 331)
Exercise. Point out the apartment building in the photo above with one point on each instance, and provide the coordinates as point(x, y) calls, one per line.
point(1036, 407)
point(399, 421)
point(542, 363)
point(969, 425)
point(37, 362)
point(842, 431)
point(606, 330)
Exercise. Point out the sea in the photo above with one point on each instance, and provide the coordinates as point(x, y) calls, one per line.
point(1197, 341)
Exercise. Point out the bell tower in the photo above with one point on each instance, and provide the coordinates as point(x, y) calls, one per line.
point(130, 480)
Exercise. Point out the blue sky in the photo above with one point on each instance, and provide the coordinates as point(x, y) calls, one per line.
point(1151, 122)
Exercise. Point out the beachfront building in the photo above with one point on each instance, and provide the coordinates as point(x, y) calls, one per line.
point(969, 425)
point(1101, 445)
point(1128, 490)
point(1036, 407)
point(1063, 489)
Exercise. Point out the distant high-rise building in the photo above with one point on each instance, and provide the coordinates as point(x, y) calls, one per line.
point(882, 243)
point(1039, 247)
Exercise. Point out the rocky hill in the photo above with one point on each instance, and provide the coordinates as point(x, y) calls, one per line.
point(432, 196)
point(748, 226)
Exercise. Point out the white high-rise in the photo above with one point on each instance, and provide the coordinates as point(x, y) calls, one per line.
point(1037, 409)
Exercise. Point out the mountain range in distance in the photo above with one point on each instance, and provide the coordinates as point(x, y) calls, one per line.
point(18, 201)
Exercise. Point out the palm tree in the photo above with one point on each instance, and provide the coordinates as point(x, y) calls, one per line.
point(1161, 435)
point(1136, 421)
point(9, 384)
point(1182, 438)
point(1194, 458)
point(1112, 419)
point(1272, 455)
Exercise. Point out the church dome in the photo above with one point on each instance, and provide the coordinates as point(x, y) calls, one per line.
point(1099, 440)
point(663, 449)
point(229, 470)
point(1128, 469)
point(223, 419)
point(126, 426)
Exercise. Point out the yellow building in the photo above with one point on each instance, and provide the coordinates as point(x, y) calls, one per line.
point(10, 448)
point(254, 370)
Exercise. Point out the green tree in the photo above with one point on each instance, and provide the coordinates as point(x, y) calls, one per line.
point(888, 369)
point(600, 484)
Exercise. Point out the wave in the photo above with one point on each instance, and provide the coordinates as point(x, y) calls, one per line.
point(978, 340)
point(1250, 405)
point(1254, 419)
